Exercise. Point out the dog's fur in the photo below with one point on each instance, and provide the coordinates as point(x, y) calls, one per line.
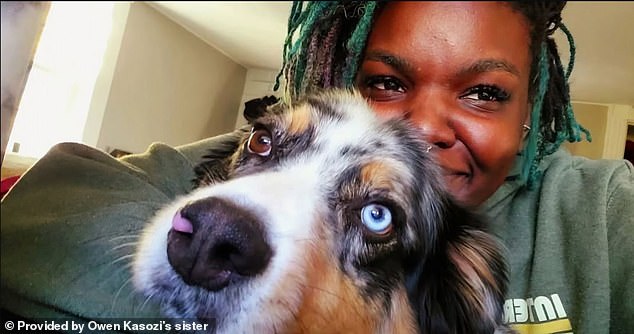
point(318, 268)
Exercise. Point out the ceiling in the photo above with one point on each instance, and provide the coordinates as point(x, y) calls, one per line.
point(252, 33)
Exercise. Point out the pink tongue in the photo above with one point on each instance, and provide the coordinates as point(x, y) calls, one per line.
point(181, 224)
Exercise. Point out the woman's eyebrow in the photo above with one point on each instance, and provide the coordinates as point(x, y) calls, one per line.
point(480, 66)
point(399, 64)
point(489, 65)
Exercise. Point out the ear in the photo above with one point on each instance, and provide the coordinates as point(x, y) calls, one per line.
point(525, 132)
point(257, 107)
point(461, 288)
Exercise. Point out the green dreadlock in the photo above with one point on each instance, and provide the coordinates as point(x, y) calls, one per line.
point(332, 37)
point(551, 114)
point(329, 30)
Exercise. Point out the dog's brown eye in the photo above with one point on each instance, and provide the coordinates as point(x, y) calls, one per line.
point(260, 142)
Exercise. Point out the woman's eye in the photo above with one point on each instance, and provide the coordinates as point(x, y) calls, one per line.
point(377, 219)
point(486, 93)
point(385, 83)
point(382, 88)
point(260, 142)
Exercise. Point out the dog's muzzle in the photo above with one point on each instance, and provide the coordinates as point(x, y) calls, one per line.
point(214, 243)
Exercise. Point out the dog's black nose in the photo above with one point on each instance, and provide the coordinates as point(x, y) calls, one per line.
point(214, 242)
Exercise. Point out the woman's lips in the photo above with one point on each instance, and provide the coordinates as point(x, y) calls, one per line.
point(456, 179)
point(456, 171)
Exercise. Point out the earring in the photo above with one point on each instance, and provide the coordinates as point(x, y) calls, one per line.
point(429, 147)
point(526, 127)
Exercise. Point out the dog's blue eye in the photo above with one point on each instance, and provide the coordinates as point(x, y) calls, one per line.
point(377, 218)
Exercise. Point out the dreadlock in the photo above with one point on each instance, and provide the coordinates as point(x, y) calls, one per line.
point(326, 52)
point(326, 39)
point(552, 117)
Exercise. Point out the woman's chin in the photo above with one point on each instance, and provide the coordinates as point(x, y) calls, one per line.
point(459, 185)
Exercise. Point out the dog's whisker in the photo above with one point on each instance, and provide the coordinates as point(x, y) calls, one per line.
point(299, 278)
point(124, 267)
point(105, 237)
point(134, 236)
point(147, 299)
point(314, 309)
point(127, 244)
point(120, 241)
point(294, 238)
point(326, 291)
point(122, 258)
point(116, 296)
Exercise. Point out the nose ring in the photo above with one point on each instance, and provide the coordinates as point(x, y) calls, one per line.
point(429, 147)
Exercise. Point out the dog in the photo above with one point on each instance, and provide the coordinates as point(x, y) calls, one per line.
point(323, 218)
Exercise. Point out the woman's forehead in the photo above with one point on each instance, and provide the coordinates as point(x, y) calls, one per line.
point(452, 31)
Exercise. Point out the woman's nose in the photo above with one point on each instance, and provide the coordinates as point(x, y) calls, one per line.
point(432, 114)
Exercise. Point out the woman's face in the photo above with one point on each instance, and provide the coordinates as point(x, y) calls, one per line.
point(460, 72)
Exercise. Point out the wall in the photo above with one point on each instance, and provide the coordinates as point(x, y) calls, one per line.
point(168, 86)
point(608, 125)
point(618, 118)
point(103, 83)
point(22, 24)
point(594, 118)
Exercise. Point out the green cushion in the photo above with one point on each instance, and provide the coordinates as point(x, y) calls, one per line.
point(69, 228)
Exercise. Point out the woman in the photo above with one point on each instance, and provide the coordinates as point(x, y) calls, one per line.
point(484, 83)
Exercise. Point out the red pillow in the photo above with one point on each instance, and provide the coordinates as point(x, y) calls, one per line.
point(7, 183)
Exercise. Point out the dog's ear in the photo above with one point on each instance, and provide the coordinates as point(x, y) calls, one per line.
point(461, 287)
point(257, 107)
